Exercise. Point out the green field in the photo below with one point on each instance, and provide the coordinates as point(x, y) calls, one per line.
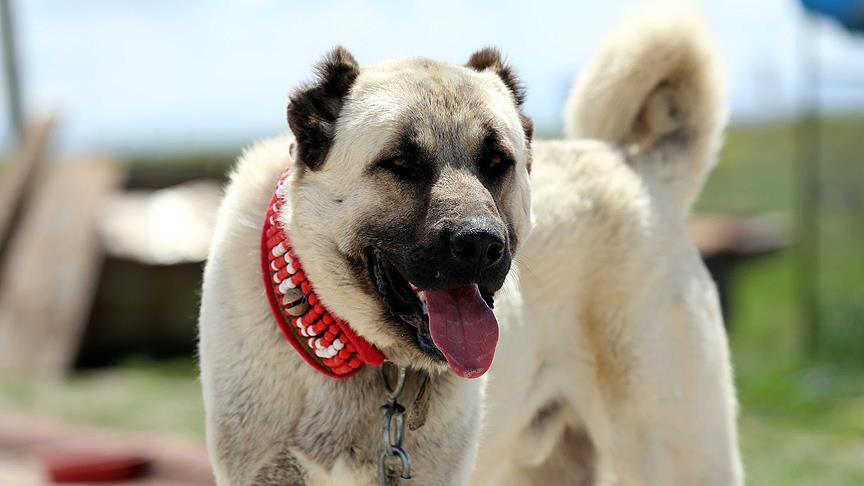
point(802, 413)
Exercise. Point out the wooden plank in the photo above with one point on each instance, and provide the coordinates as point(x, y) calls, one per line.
point(722, 234)
point(52, 267)
point(18, 171)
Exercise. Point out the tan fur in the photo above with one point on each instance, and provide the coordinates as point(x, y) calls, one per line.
point(645, 86)
point(612, 294)
point(612, 366)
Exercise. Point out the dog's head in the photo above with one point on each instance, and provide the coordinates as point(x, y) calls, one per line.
point(410, 197)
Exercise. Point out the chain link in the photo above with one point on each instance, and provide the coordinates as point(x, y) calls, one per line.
point(393, 429)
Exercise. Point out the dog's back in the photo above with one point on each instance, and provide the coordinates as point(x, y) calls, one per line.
point(614, 339)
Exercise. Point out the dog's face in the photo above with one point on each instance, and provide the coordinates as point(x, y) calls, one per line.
point(409, 200)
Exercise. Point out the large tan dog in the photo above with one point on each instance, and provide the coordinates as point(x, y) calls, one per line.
point(416, 200)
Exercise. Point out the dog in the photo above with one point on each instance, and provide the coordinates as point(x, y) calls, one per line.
point(417, 200)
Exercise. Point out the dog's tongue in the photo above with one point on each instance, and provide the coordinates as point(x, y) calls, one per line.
point(464, 328)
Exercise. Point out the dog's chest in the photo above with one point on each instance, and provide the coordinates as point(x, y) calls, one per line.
point(339, 435)
point(343, 423)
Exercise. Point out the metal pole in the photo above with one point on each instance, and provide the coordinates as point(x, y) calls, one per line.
point(10, 68)
point(809, 187)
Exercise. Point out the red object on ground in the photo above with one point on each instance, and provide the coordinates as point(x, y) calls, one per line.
point(81, 467)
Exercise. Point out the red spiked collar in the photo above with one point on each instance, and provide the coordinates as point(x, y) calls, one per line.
point(324, 340)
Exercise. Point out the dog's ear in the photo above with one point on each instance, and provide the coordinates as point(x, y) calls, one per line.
point(490, 58)
point(314, 108)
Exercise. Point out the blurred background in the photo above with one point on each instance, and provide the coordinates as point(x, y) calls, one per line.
point(120, 119)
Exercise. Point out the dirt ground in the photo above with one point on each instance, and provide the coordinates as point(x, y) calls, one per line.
point(25, 442)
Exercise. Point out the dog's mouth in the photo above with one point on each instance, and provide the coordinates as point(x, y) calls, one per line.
point(455, 324)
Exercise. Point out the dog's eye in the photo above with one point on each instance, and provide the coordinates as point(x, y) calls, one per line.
point(495, 164)
point(400, 166)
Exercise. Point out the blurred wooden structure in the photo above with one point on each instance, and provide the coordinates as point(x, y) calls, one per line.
point(52, 256)
point(19, 171)
point(726, 242)
point(156, 235)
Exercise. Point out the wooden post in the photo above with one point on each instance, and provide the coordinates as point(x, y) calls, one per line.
point(809, 189)
point(52, 267)
point(16, 178)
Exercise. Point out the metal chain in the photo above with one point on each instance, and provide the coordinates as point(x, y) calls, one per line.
point(393, 437)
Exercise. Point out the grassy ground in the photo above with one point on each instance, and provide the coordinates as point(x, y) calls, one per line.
point(139, 395)
point(802, 419)
point(802, 413)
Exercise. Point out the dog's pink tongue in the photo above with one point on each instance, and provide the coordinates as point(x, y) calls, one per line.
point(464, 328)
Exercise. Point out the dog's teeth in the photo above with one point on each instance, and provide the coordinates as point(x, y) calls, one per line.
point(421, 295)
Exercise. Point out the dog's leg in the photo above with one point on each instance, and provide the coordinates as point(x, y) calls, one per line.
point(663, 404)
point(630, 322)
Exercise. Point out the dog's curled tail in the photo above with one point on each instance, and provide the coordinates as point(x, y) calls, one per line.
point(655, 90)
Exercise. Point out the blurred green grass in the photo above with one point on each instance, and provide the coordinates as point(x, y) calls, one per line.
point(139, 394)
point(802, 415)
point(802, 419)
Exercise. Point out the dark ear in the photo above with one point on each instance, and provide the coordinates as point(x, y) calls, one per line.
point(314, 108)
point(527, 125)
point(490, 58)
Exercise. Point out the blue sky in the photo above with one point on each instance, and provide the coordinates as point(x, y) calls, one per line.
point(195, 74)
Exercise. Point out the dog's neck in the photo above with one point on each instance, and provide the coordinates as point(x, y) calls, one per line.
point(325, 341)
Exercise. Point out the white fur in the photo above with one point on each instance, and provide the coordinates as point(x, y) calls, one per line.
point(614, 311)
point(613, 316)
point(617, 98)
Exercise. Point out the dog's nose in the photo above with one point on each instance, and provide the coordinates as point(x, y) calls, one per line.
point(477, 246)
